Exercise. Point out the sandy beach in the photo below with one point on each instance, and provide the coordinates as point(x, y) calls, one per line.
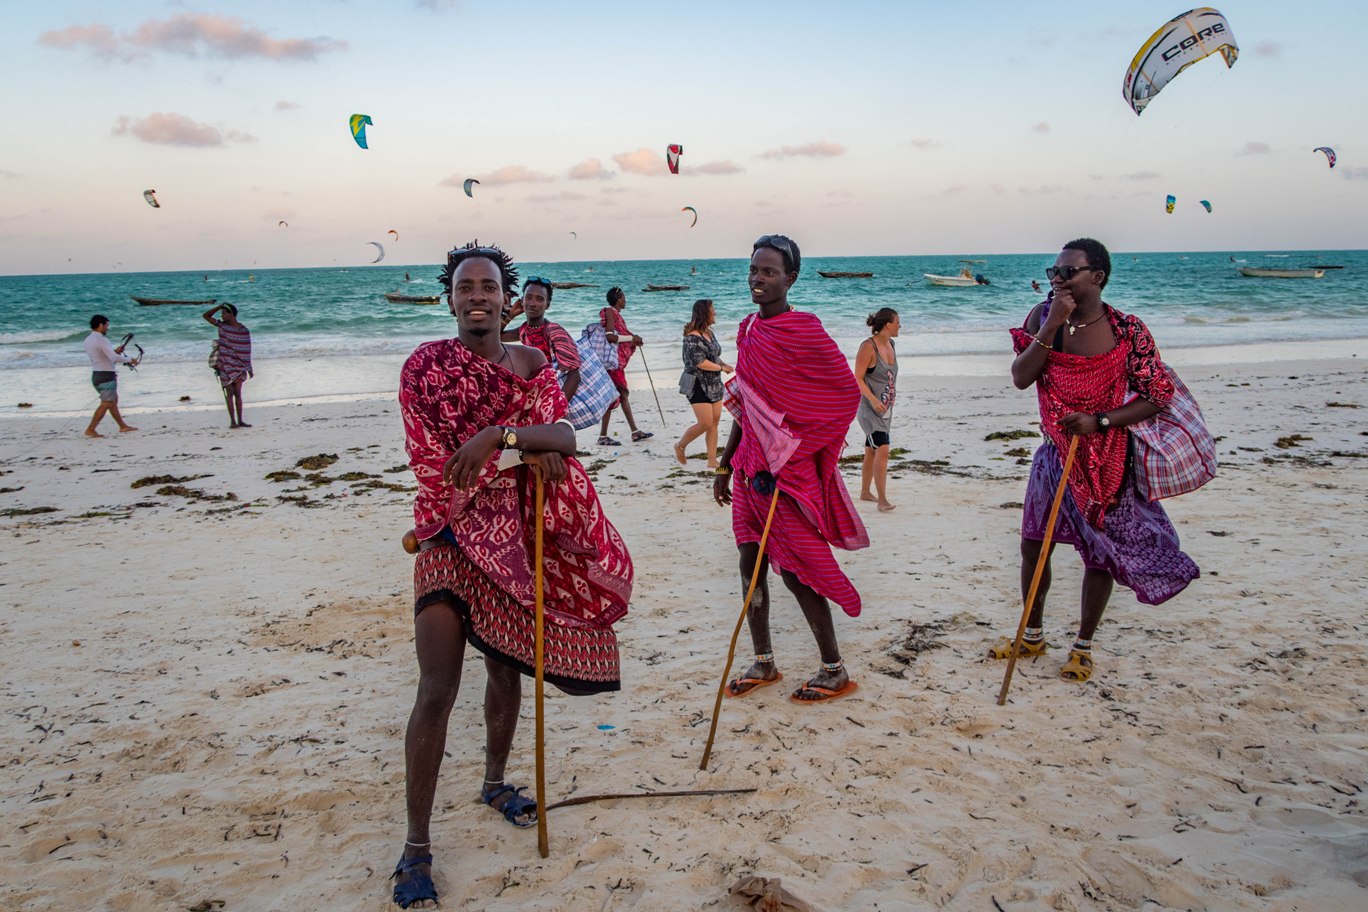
point(205, 678)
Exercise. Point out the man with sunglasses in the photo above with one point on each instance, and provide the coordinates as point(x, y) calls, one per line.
point(1096, 371)
point(478, 412)
point(551, 339)
point(793, 397)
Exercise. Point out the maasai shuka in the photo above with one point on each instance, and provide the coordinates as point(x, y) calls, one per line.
point(552, 340)
point(447, 394)
point(1098, 383)
point(234, 353)
point(794, 396)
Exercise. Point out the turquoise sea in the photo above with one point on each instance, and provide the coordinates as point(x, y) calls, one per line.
point(330, 332)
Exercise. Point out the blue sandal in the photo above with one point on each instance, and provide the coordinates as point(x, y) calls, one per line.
point(418, 887)
point(516, 806)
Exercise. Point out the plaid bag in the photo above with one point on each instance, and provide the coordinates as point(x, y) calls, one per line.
point(596, 391)
point(606, 351)
point(1174, 451)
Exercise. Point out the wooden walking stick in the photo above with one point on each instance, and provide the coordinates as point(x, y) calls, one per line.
point(543, 841)
point(659, 410)
point(1039, 570)
point(745, 606)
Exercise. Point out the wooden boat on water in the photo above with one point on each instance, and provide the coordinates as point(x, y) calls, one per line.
point(158, 302)
point(666, 288)
point(1265, 272)
point(395, 297)
point(845, 275)
point(572, 285)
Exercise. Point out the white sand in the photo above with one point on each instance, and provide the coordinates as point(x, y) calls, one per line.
point(206, 700)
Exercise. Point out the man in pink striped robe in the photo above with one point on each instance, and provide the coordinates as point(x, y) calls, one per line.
point(793, 398)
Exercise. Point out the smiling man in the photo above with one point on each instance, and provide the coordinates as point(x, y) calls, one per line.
point(480, 416)
point(793, 397)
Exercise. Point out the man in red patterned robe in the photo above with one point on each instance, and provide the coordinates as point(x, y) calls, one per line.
point(793, 397)
point(476, 411)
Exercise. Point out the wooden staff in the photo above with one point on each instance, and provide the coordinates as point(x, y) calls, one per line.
point(543, 841)
point(659, 410)
point(745, 606)
point(1039, 570)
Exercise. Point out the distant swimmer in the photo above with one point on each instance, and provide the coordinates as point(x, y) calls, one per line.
point(1035, 286)
point(406, 278)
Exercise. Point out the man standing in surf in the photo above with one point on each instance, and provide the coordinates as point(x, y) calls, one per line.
point(793, 397)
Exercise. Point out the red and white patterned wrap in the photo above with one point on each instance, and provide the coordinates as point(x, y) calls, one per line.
point(448, 394)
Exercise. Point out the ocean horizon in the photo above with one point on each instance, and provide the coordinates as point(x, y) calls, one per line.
point(309, 322)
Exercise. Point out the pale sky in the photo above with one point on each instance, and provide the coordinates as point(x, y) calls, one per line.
point(861, 129)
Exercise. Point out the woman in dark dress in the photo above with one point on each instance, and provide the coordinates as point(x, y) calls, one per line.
point(701, 381)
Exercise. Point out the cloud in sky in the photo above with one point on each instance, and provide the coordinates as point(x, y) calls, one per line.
point(590, 169)
point(924, 142)
point(1142, 176)
point(1268, 49)
point(1041, 127)
point(508, 174)
point(283, 105)
point(563, 196)
point(820, 149)
point(642, 161)
point(172, 129)
point(1358, 173)
point(189, 35)
point(7, 175)
point(722, 166)
point(1254, 147)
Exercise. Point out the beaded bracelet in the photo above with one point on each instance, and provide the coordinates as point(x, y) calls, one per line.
point(1042, 343)
point(722, 470)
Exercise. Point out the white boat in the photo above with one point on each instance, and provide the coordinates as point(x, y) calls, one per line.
point(1264, 272)
point(957, 281)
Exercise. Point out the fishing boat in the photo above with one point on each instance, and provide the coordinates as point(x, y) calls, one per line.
point(845, 275)
point(572, 285)
point(395, 297)
point(1265, 272)
point(158, 302)
point(666, 288)
point(954, 281)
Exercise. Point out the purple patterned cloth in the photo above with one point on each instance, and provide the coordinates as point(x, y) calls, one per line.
point(1137, 545)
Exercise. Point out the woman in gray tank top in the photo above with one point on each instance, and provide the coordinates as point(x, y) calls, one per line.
point(876, 371)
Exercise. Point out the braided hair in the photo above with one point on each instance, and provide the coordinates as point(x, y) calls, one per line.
point(508, 273)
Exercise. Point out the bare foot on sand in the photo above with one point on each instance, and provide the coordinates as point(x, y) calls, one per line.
point(679, 454)
point(126, 428)
point(869, 497)
point(886, 507)
point(93, 433)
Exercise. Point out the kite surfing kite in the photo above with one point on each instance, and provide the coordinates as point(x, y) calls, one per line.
point(282, 224)
point(378, 246)
point(1329, 157)
point(470, 182)
point(672, 153)
point(1168, 204)
point(395, 233)
point(574, 235)
point(1206, 204)
point(151, 195)
point(1177, 45)
point(358, 129)
point(695, 213)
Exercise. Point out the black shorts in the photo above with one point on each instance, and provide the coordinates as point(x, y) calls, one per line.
point(877, 439)
point(700, 396)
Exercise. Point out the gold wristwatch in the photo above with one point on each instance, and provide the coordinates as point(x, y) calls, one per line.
point(508, 438)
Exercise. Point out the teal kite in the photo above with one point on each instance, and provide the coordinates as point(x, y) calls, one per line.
point(358, 129)
point(1206, 204)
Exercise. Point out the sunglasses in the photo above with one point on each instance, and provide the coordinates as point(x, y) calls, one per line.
point(779, 243)
point(464, 251)
point(537, 280)
point(1066, 272)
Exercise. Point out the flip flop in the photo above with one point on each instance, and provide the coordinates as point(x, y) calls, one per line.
point(826, 695)
point(755, 684)
point(641, 435)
